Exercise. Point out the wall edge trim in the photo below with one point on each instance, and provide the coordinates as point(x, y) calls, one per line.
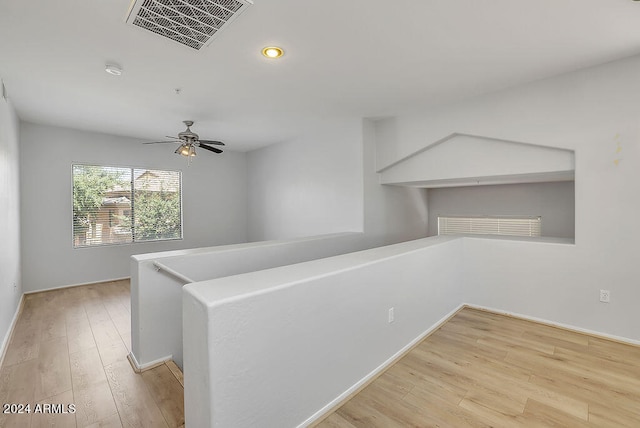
point(139, 368)
point(44, 290)
point(11, 331)
point(562, 326)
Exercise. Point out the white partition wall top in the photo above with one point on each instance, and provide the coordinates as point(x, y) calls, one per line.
point(156, 309)
point(273, 348)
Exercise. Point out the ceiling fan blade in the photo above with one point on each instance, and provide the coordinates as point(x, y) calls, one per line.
point(217, 143)
point(161, 142)
point(173, 138)
point(211, 149)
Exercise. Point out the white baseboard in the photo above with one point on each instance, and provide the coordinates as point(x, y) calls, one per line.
point(342, 398)
point(12, 326)
point(75, 285)
point(138, 368)
point(557, 324)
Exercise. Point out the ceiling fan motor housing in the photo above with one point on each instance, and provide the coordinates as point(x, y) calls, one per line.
point(188, 134)
point(189, 141)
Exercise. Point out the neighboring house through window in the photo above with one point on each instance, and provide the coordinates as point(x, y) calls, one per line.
point(117, 205)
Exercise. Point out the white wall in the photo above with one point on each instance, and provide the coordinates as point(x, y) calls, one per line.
point(455, 159)
point(10, 281)
point(552, 282)
point(280, 347)
point(553, 201)
point(326, 182)
point(214, 202)
point(309, 186)
point(595, 112)
point(276, 347)
point(391, 213)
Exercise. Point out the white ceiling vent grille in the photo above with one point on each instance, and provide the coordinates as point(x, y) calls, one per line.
point(193, 23)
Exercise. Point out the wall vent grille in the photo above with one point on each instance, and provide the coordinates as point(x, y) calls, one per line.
point(490, 225)
point(193, 23)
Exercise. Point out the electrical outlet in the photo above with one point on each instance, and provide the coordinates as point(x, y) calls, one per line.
point(605, 295)
point(391, 315)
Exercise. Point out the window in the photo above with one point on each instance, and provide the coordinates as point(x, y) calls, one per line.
point(512, 226)
point(116, 205)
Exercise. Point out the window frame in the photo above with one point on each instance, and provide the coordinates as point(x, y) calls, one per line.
point(132, 207)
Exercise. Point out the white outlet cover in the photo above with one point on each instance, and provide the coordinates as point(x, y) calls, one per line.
point(605, 296)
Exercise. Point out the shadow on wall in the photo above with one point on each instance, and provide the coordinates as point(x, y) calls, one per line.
point(554, 202)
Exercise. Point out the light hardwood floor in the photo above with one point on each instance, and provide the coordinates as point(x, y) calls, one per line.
point(479, 369)
point(482, 369)
point(71, 346)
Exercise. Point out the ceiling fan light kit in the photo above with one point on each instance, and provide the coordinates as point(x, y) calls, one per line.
point(189, 140)
point(186, 150)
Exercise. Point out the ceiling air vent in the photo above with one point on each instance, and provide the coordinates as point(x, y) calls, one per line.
point(193, 23)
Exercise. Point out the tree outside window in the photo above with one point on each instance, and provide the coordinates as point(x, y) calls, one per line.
point(115, 205)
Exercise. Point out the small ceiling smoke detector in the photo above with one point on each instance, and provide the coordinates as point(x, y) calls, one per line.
point(272, 52)
point(114, 69)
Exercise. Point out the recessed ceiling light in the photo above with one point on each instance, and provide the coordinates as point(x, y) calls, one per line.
point(272, 52)
point(114, 69)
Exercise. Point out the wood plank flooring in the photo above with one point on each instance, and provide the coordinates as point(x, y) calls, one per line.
point(486, 370)
point(71, 346)
point(478, 370)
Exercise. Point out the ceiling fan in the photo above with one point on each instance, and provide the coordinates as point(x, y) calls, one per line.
point(189, 140)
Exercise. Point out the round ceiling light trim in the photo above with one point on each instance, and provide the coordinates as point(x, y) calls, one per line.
point(272, 52)
point(113, 69)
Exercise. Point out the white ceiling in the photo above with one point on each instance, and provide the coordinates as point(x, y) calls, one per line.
point(344, 58)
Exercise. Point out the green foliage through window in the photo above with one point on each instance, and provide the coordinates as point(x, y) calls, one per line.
point(114, 205)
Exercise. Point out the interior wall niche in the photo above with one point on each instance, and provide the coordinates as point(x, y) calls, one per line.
point(554, 201)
